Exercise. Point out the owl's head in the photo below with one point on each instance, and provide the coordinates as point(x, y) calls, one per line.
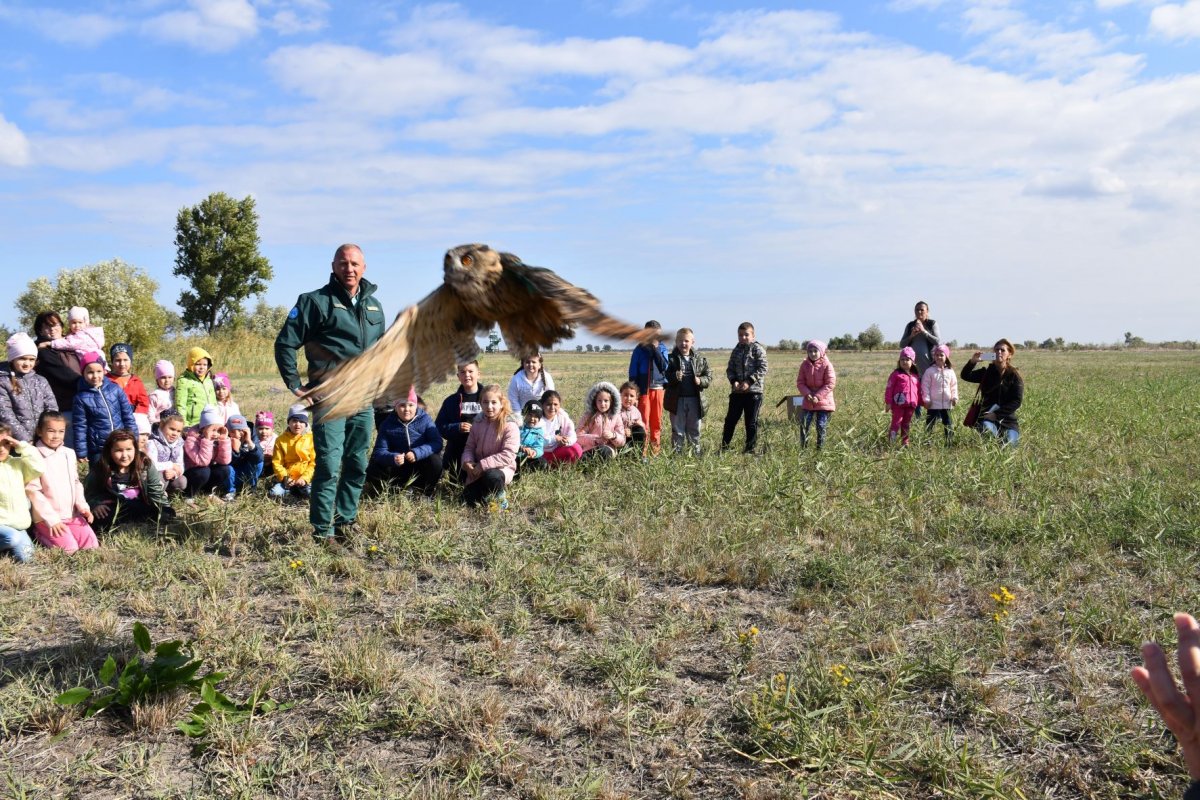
point(472, 264)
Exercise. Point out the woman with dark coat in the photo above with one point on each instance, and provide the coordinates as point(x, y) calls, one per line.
point(1002, 390)
point(60, 368)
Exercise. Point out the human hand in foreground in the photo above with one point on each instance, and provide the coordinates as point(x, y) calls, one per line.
point(1179, 710)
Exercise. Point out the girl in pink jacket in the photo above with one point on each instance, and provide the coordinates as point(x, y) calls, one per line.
point(489, 458)
point(601, 430)
point(61, 515)
point(207, 453)
point(902, 394)
point(815, 384)
point(939, 390)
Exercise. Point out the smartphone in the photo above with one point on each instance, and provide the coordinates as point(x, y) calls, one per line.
point(988, 357)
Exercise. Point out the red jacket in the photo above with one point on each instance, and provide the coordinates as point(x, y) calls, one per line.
point(135, 390)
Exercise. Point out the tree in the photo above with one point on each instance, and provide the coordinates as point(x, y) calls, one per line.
point(1134, 341)
point(789, 344)
point(217, 252)
point(265, 320)
point(871, 338)
point(118, 296)
point(607, 348)
point(844, 342)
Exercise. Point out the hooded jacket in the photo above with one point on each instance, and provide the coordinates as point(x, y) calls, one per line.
point(294, 452)
point(593, 428)
point(22, 404)
point(97, 412)
point(57, 495)
point(419, 436)
point(192, 393)
point(102, 493)
point(817, 378)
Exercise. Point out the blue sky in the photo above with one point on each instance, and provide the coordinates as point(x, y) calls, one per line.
point(1029, 168)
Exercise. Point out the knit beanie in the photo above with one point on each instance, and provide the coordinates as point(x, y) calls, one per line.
point(909, 353)
point(211, 415)
point(21, 345)
point(163, 369)
point(222, 379)
point(943, 349)
point(79, 312)
point(817, 343)
point(264, 419)
point(298, 411)
point(120, 347)
point(90, 358)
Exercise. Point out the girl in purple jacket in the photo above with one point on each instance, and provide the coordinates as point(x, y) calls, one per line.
point(903, 393)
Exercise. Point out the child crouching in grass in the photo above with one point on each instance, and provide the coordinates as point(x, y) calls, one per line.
point(295, 457)
point(124, 485)
point(61, 515)
point(561, 445)
point(533, 438)
point(631, 419)
point(489, 459)
point(20, 463)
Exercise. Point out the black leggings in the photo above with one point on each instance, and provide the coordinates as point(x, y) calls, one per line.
point(486, 485)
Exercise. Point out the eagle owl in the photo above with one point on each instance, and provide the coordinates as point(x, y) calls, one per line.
point(533, 307)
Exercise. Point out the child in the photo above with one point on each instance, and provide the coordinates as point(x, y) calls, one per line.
point(561, 445)
point(165, 450)
point(264, 428)
point(83, 337)
point(458, 412)
point(207, 453)
point(533, 437)
point(20, 463)
point(120, 372)
point(162, 398)
point(61, 515)
point(124, 486)
point(902, 394)
point(631, 418)
point(408, 449)
point(490, 458)
point(246, 455)
point(647, 368)
point(601, 432)
point(24, 394)
point(529, 382)
point(687, 378)
point(194, 390)
point(223, 389)
point(815, 382)
point(295, 457)
point(746, 371)
point(939, 390)
point(100, 408)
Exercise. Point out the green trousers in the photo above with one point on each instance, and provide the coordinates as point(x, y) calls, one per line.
point(343, 446)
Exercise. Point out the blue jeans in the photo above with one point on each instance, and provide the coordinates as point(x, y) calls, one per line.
point(17, 542)
point(822, 418)
point(1009, 436)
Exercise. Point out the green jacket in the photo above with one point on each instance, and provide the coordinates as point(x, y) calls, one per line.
point(192, 395)
point(330, 328)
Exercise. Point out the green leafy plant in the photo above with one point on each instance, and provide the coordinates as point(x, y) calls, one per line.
point(214, 703)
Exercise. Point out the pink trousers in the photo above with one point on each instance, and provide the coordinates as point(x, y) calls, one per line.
point(901, 420)
point(78, 536)
point(564, 454)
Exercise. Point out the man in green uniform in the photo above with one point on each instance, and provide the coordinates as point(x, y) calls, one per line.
point(332, 324)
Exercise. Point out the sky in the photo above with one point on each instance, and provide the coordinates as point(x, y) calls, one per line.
point(1031, 169)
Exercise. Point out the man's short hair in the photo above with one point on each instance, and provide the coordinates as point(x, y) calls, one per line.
point(343, 247)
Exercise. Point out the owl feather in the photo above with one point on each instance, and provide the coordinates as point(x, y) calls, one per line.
point(533, 307)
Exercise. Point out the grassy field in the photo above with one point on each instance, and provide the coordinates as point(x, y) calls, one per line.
point(797, 624)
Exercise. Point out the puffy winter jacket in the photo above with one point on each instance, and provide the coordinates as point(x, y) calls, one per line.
point(98, 411)
point(23, 398)
point(419, 436)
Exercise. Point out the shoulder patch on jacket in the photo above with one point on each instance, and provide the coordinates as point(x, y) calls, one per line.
point(295, 312)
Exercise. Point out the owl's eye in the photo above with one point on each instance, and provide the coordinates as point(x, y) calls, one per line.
point(467, 260)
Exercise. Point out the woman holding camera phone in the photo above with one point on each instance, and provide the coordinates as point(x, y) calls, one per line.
point(1001, 389)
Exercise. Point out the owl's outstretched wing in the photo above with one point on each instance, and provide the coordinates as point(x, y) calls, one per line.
point(536, 308)
point(422, 347)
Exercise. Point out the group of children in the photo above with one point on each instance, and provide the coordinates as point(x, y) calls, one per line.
point(198, 441)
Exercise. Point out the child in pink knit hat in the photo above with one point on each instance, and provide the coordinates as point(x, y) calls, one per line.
point(264, 426)
point(223, 388)
point(162, 398)
point(902, 394)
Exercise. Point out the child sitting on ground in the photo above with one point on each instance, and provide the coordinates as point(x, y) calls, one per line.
point(20, 463)
point(631, 418)
point(264, 429)
point(82, 337)
point(124, 486)
point(166, 451)
point(162, 398)
point(562, 446)
point(246, 456)
point(533, 437)
point(207, 453)
point(408, 449)
point(295, 457)
point(489, 459)
point(601, 432)
point(61, 515)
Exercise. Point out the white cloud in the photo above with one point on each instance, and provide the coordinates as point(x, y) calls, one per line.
point(14, 147)
point(1096, 182)
point(80, 29)
point(290, 17)
point(209, 25)
point(1177, 21)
